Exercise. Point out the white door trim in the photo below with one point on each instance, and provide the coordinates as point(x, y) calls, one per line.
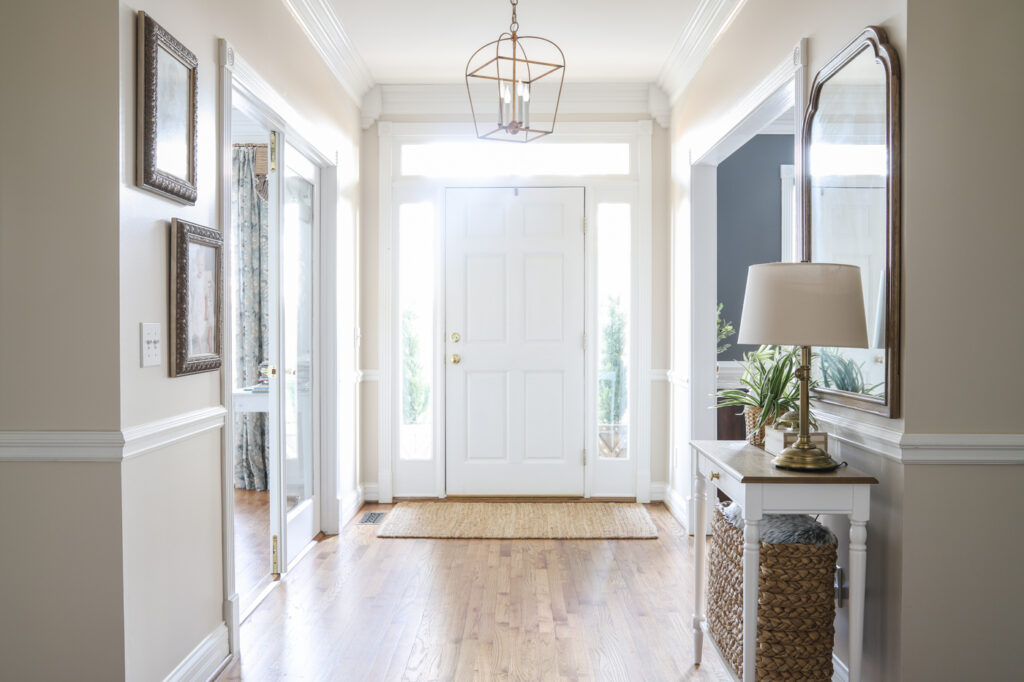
point(237, 73)
point(782, 88)
point(394, 188)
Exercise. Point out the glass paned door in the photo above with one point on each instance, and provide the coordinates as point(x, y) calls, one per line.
point(299, 360)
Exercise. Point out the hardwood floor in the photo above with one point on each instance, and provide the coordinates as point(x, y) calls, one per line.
point(252, 540)
point(363, 608)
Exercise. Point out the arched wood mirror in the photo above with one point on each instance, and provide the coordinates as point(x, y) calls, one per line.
point(851, 189)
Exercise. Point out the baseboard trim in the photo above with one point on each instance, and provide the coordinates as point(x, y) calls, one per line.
point(155, 435)
point(108, 446)
point(205, 660)
point(840, 673)
point(676, 504)
point(369, 492)
point(351, 502)
point(658, 490)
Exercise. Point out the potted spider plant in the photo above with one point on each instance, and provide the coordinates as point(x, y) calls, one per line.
point(770, 388)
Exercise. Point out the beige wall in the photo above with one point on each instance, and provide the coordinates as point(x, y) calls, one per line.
point(762, 36)
point(58, 216)
point(84, 260)
point(173, 591)
point(264, 34)
point(963, 553)
point(963, 235)
point(175, 492)
point(941, 602)
point(61, 595)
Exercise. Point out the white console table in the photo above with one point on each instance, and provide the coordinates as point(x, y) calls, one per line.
point(746, 475)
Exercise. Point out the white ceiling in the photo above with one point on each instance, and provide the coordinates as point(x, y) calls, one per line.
point(402, 41)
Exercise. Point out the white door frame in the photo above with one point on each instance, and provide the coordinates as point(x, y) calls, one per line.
point(394, 189)
point(239, 79)
point(783, 88)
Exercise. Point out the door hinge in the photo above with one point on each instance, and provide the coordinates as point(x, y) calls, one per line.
point(275, 557)
point(584, 341)
point(584, 457)
point(273, 151)
point(584, 224)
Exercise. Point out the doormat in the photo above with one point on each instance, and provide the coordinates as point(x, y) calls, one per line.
point(519, 520)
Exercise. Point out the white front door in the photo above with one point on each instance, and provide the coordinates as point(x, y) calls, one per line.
point(514, 338)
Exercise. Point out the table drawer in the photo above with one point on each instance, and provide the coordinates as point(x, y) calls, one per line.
point(719, 478)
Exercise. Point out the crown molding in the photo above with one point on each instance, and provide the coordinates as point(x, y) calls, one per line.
point(451, 100)
point(321, 24)
point(694, 43)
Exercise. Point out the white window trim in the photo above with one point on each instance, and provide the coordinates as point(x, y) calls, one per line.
point(395, 189)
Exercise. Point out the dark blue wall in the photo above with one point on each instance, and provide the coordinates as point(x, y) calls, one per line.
point(749, 221)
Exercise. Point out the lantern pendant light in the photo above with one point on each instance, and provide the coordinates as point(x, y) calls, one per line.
point(515, 66)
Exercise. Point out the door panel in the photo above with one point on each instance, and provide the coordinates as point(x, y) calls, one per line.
point(299, 361)
point(514, 295)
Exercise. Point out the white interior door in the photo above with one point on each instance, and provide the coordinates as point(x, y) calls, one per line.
point(299, 362)
point(514, 380)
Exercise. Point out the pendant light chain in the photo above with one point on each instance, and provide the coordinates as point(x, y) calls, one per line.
point(514, 26)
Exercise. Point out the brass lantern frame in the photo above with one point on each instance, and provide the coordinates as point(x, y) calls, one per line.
point(518, 62)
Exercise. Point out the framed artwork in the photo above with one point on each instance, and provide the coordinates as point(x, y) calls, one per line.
point(167, 113)
point(197, 293)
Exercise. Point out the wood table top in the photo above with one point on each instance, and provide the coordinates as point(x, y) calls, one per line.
point(750, 464)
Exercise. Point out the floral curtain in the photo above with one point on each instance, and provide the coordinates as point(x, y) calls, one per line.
point(252, 333)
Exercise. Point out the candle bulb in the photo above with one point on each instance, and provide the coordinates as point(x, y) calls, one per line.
point(519, 102)
point(505, 114)
point(526, 105)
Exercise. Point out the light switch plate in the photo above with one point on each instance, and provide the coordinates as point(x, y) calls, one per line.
point(149, 343)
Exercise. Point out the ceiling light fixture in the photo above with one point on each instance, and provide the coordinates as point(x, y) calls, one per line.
point(514, 74)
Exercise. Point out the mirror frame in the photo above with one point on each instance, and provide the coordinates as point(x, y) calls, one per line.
point(875, 39)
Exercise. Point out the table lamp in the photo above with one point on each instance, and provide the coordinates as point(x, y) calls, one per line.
point(804, 304)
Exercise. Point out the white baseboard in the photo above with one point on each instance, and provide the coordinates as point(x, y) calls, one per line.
point(840, 673)
point(658, 489)
point(205, 660)
point(369, 491)
point(676, 504)
point(350, 505)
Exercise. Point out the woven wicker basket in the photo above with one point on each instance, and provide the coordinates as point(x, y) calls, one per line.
point(795, 607)
point(755, 436)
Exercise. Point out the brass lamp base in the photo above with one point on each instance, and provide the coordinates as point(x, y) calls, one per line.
point(813, 458)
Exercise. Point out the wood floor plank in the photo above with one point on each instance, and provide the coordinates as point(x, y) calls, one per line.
point(364, 608)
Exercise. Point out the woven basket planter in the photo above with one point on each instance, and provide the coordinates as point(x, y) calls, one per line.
point(795, 607)
point(755, 436)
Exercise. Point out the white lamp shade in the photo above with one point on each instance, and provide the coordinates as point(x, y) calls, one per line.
point(804, 304)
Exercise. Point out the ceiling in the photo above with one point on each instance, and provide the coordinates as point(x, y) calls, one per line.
point(402, 41)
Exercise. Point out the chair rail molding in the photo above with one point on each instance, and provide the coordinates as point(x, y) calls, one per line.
point(321, 24)
point(108, 446)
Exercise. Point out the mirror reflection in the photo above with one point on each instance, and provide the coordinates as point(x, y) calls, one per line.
point(847, 165)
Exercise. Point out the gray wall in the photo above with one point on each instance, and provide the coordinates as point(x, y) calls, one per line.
point(749, 221)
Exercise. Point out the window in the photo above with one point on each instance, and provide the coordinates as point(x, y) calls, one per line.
point(489, 159)
point(613, 322)
point(416, 329)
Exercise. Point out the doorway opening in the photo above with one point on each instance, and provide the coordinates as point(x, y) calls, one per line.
point(516, 330)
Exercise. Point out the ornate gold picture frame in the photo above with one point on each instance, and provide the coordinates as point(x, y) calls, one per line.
point(167, 113)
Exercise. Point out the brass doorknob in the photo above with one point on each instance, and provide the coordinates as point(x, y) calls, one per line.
point(456, 337)
point(456, 358)
point(269, 371)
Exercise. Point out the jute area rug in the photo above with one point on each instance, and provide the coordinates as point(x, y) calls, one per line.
point(518, 520)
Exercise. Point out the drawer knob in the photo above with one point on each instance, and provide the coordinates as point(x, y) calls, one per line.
point(715, 475)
